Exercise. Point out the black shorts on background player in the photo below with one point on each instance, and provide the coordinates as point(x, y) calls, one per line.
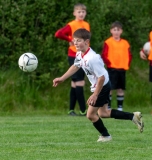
point(79, 75)
point(150, 73)
point(117, 78)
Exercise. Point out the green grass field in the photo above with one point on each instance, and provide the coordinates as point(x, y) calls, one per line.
point(46, 137)
point(34, 124)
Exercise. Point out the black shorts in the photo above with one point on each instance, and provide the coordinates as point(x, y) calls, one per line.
point(150, 73)
point(103, 97)
point(79, 75)
point(117, 78)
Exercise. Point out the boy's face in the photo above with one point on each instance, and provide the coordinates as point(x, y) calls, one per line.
point(116, 32)
point(79, 14)
point(81, 44)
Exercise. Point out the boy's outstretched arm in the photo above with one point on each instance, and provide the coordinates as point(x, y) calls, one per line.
point(73, 69)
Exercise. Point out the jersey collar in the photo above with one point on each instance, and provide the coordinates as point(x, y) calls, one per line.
point(85, 52)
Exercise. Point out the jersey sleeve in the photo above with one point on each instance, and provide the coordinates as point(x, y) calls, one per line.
point(104, 54)
point(77, 61)
point(64, 33)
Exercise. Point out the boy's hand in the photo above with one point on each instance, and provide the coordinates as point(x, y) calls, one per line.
point(56, 81)
point(142, 55)
point(92, 100)
point(71, 43)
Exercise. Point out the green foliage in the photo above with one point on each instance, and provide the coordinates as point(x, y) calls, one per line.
point(27, 92)
point(29, 26)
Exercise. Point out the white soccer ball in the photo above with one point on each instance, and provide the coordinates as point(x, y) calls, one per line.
point(146, 48)
point(28, 62)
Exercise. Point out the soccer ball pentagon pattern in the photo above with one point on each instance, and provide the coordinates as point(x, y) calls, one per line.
point(28, 62)
point(146, 48)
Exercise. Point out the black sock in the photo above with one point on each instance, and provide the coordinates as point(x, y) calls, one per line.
point(120, 100)
point(121, 115)
point(101, 128)
point(80, 98)
point(72, 98)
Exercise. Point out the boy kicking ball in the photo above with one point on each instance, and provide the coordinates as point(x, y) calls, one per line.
point(93, 67)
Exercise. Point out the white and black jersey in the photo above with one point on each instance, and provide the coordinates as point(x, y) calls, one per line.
point(93, 66)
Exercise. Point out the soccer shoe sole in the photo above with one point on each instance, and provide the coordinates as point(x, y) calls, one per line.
point(138, 121)
point(103, 139)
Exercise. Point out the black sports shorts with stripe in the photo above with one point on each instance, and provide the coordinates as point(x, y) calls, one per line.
point(103, 97)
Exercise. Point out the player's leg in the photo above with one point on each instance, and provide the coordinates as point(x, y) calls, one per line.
point(77, 93)
point(150, 72)
point(79, 82)
point(103, 112)
point(150, 78)
point(98, 124)
point(73, 97)
point(136, 117)
point(121, 86)
point(110, 99)
point(92, 113)
point(113, 76)
point(120, 99)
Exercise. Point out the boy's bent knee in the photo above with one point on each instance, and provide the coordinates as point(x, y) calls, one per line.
point(105, 114)
point(92, 117)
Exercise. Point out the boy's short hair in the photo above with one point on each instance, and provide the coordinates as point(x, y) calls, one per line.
point(80, 6)
point(116, 24)
point(82, 33)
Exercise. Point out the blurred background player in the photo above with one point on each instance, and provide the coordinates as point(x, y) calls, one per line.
point(77, 83)
point(117, 57)
point(144, 57)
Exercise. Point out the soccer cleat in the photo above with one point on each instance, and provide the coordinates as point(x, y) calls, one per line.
point(104, 138)
point(137, 119)
point(83, 113)
point(72, 113)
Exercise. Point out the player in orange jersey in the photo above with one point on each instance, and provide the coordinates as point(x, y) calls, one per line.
point(77, 83)
point(144, 57)
point(117, 57)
